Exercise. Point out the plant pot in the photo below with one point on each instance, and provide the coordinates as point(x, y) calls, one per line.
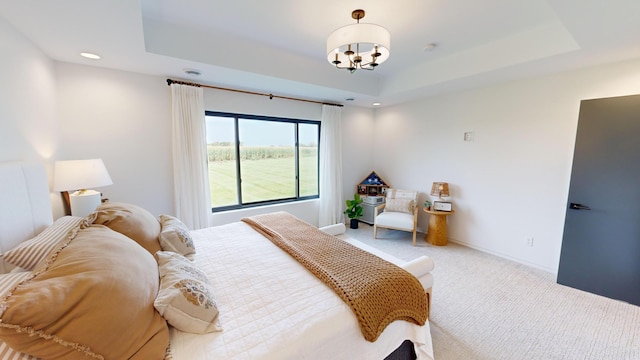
point(353, 224)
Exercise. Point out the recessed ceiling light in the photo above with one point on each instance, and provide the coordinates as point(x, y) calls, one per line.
point(193, 72)
point(430, 47)
point(376, 104)
point(91, 56)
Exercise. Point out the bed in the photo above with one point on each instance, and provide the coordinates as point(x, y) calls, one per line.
point(269, 306)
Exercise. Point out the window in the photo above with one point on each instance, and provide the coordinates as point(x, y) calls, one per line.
point(257, 160)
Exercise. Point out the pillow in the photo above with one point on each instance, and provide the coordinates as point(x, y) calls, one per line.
point(185, 298)
point(30, 253)
point(400, 205)
point(175, 236)
point(9, 281)
point(130, 220)
point(91, 298)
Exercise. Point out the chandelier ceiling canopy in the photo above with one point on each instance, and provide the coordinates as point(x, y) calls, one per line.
point(358, 46)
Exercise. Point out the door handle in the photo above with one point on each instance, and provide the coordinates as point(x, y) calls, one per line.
point(575, 206)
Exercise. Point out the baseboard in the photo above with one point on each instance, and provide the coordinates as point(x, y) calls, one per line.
point(505, 256)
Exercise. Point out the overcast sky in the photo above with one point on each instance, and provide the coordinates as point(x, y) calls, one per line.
point(259, 133)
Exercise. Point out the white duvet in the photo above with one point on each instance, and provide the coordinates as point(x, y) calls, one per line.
point(271, 307)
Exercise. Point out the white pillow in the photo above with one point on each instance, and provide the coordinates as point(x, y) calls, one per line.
point(399, 205)
point(30, 253)
point(175, 236)
point(186, 298)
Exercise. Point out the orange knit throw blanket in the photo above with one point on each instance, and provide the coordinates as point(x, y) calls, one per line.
point(377, 291)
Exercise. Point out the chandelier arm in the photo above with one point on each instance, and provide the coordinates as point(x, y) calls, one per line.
point(345, 67)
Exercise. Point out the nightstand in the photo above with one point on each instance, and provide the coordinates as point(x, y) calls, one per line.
point(437, 231)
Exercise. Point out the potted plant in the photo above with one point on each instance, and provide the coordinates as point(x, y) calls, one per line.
point(354, 210)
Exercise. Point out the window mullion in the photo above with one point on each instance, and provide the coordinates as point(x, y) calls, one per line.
point(297, 160)
point(238, 171)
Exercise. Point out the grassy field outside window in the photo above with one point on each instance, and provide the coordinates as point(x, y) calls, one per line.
point(276, 181)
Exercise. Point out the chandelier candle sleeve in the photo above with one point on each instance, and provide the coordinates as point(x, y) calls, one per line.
point(358, 46)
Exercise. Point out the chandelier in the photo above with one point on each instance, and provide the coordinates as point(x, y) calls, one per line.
point(358, 46)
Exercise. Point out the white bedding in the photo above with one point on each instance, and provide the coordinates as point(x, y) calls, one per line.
point(289, 316)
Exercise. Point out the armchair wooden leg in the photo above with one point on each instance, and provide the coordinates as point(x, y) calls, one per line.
point(375, 231)
point(414, 237)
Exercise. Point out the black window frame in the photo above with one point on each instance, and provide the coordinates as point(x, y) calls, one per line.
point(297, 197)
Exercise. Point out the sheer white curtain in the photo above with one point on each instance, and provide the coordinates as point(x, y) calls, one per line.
point(190, 175)
point(331, 200)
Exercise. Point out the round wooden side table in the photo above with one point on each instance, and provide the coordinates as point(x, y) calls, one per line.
point(437, 231)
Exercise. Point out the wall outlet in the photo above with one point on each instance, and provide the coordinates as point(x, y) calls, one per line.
point(529, 240)
point(468, 136)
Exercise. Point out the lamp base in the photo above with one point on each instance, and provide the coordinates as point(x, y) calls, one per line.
point(84, 203)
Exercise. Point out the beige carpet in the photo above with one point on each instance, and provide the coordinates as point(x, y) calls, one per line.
point(486, 307)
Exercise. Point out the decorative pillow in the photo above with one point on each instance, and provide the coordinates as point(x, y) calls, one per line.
point(400, 205)
point(91, 298)
point(9, 281)
point(185, 298)
point(175, 236)
point(30, 253)
point(130, 220)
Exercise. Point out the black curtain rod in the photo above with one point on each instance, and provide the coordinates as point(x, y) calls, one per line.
point(271, 96)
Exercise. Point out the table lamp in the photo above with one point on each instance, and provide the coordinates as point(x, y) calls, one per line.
point(440, 189)
point(78, 176)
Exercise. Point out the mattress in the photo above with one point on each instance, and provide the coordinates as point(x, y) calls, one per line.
point(271, 307)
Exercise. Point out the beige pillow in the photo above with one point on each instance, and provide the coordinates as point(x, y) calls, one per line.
point(175, 236)
point(30, 253)
point(186, 298)
point(93, 297)
point(399, 205)
point(130, 220)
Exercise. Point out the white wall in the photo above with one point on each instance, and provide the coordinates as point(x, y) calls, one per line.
point(512, 180)
point(125, 119)
point(28, 121)
point(357, 147)
point(28, 113)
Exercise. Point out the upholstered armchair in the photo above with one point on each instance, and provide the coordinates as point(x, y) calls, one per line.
point(399, 212)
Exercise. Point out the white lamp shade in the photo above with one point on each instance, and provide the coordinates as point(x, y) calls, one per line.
point(80, 174)
point(366, 35)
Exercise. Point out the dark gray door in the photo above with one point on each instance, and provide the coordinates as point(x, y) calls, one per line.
point(601, 242)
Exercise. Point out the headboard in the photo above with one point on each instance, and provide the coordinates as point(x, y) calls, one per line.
point(25, 203)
